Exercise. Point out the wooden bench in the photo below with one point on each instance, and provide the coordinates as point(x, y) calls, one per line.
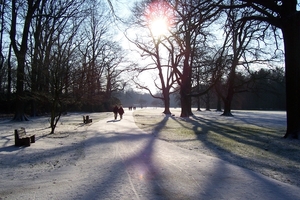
point(21, 138)
point(86, 119)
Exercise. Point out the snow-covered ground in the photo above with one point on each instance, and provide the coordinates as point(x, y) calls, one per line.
point(113, 159)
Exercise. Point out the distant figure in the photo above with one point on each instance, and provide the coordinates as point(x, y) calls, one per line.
point(116, 110)
point(121, 112)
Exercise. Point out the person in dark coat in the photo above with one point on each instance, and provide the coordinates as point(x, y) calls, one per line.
point(116, 110)
point(121, 111)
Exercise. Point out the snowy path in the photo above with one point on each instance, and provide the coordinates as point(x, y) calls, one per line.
point(119, 161)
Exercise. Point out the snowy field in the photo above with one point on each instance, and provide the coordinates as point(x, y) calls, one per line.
point(250, 139)
point(54, 159)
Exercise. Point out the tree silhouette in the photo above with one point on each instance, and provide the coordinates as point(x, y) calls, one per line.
point(284, 15)
point(20, 51)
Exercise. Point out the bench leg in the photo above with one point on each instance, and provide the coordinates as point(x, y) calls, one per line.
point(32, 139)
point(18, 142)
point(26, 141)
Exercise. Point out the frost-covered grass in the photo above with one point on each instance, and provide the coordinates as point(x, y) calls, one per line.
point(251, 139)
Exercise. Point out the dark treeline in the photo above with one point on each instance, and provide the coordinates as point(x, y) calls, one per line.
point(265, 91)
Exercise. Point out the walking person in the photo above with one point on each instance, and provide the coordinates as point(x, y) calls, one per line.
point(115, 110)
point(121, 111)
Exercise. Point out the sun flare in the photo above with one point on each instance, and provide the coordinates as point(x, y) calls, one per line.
point(159, 27)
point(159, 17)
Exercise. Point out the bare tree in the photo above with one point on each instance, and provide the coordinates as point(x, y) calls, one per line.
point(192, 18)
point(284, 15)
point(92, 47)
point(49, 22)
point(61, 59)
point(114, 64)
point(238, 38)
point(20, 46)
point(2, 31)
point(155, 47)
point(102, 59)
point(52, 55)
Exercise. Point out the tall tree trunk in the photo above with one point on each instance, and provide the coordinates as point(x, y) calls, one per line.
point(227, 104)
point(207, 103)
point(186, 84)
point(227, 107)
point(55, 112)
point(36, 62)
point(166, 101)
point(230, 92)
point(9, 79)
point(20, 101)
point(185, 98)
point(184, 102)
point(291, 35)
point(198, 103)
point(2, 7)
point(20, 52)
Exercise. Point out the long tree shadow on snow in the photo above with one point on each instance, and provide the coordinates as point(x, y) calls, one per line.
point(141, 162)
point(103, 188)
point(202, 127)
point(207, 189)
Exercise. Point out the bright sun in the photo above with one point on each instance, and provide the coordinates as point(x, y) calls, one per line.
point(159, 27)
point(159, 17)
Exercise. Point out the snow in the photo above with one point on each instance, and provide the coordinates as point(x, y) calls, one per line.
point(114, 159)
